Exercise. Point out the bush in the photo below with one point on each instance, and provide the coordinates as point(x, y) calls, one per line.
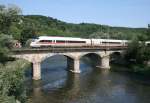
point(12, 81)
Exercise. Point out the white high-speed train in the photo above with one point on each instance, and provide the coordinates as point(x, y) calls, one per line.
point(46, 41)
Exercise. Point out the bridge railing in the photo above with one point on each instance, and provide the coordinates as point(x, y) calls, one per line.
point(67, 49)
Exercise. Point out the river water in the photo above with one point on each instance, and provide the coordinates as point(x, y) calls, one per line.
point(92, 85)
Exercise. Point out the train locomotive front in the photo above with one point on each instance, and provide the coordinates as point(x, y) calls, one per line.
point(48, 41)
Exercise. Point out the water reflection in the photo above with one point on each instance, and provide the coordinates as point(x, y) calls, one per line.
point(91, 86)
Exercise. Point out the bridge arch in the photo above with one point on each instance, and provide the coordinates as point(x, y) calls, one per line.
point(116, 57)
point(115, 52)
point(87, 53)
point(70, 61)
point(56, 54)
point(94, 59)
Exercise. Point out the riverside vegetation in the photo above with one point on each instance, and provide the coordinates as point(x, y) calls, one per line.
point(12, 82)
point(15, 26)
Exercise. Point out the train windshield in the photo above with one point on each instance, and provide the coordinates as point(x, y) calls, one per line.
point(35, 39)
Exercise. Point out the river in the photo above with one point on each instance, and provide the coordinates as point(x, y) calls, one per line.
point(92, 85)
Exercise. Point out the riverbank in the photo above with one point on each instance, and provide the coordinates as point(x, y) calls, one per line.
point(138, 69)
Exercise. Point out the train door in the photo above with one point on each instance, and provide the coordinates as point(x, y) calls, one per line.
point(53, 42)
point(93, 42)
point(65, 42)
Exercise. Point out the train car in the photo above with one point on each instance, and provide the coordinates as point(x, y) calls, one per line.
point(46, 41)
point(109, 42)
point(95, 42)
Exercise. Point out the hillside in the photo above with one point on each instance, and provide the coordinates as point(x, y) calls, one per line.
point(43, 25)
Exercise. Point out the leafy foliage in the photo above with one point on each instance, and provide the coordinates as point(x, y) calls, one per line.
point(6, 42)
point(137, 51)
point(8, 16)
point(11, 73)
point(26, 34)
point(12, 81)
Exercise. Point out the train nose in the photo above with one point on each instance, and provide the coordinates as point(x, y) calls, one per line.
point(32, 44)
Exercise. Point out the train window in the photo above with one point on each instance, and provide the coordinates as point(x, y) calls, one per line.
point(115, 42)
point(148, 44)
point(45, 40)
point(35, 37)
point(112, 42)
point(76, 41)
point(42, 41)
point(60, 41)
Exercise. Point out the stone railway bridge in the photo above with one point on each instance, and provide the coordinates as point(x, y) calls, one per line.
point(37, 55)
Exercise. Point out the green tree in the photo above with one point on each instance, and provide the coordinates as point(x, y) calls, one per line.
point(6, 43)
point(8, 16)
point(148, 33)
point(26, 34)
point(132, 50)
point(137, 51)
point(12, 82)
point(100, 35)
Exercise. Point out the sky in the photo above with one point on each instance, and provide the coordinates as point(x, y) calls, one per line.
point(124, 13)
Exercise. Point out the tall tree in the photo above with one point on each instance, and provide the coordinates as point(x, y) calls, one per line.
point(27, 33)
point(6, 42)
point(8, 16)
point(148, 32)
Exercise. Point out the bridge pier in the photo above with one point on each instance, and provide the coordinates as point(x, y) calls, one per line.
point(105, 62)
point(36, 70)
point(73, 65)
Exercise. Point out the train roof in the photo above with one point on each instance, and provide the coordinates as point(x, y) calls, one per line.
point(77, 39)
point(147, 41)
point(59, 38)
point(112, 40)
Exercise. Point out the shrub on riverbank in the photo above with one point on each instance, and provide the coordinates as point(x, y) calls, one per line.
point(139, 69)
point(12, 81)
point(137, 55)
